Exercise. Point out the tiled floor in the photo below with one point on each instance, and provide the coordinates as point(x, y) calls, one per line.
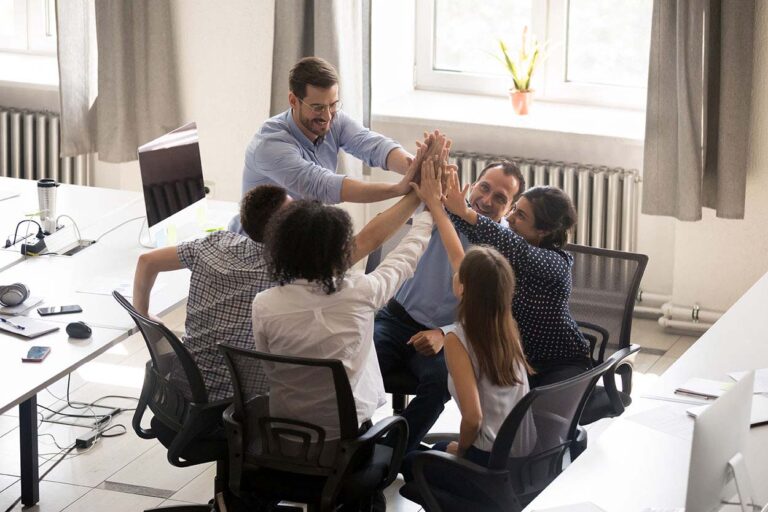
point(128, 474)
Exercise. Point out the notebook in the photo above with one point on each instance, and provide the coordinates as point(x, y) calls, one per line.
point(22, 308)
point(26, 327)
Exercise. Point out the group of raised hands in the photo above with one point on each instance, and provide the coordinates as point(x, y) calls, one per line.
point(434, 180)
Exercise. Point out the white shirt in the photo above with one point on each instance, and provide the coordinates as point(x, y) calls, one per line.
point(496, 402)
point(300, 319)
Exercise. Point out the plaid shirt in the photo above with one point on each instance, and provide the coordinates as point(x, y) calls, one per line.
point(228, 270)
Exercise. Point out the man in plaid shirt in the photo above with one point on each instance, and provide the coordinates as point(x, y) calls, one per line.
point(228, 270)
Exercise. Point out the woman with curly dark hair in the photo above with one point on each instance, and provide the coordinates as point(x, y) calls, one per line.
point(322, 310)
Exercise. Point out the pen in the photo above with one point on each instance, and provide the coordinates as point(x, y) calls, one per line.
point(15, 326)
point(694, 394)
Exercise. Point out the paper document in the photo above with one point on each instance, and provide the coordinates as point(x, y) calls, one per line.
point(7, 194)
point(761, 379)
point(759, 410)
point(669, 419)
point(26, 327)
point(22, 308)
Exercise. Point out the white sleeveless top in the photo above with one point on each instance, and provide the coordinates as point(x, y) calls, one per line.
point(496, 402)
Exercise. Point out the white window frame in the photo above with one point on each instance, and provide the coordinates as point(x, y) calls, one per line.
point(549, 23)
point(37, 18)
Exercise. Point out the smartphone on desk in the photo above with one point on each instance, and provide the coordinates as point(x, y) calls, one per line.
point(36, 354)
point(59, 310)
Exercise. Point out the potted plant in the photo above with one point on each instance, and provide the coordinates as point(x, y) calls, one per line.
point(521, 70)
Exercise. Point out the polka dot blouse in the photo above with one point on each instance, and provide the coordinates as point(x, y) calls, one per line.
point(540, 305)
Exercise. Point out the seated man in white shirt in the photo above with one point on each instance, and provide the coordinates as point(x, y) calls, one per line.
point(319, 310)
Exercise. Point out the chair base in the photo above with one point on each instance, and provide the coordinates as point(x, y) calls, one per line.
point(184, 508)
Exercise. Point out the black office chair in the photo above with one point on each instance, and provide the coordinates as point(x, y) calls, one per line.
point(277, 458)
point(184, 421)
point(447, 483)
point(605, 285)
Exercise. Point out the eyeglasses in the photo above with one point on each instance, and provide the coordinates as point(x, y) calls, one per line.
point(319, 108)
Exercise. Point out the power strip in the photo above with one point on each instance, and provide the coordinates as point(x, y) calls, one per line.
point(87, 440)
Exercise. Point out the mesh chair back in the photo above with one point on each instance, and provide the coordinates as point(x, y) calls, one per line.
point(175, 378)
point(538, 433)
point(378, 254)
point(605, 285)
point(310, 410)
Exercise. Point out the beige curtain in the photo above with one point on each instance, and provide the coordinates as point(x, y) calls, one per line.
point(118, 79)
point(699, 103)
point(336, 30)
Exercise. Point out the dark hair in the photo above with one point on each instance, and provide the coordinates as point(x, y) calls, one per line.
point(510, 169)
point(311, 71)
point(312, 241)
point(553, 211)
point(485, 313)
point(257, 208)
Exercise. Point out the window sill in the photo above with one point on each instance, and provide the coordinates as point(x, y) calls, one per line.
point(30, 71)
point(441, 107)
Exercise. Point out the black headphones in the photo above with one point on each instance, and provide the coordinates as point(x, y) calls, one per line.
point(13, 294)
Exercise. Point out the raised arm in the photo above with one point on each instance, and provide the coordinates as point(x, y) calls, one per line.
point(149, 265)
point(383, 226)
point(430, 191)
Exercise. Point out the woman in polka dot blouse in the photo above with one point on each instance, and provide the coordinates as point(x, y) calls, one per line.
point(538, 227)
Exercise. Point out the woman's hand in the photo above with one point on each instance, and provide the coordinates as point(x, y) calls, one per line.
point(453, 448)
point(430, 190)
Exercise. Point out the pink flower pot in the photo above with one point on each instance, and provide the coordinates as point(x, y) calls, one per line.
point(521, 101)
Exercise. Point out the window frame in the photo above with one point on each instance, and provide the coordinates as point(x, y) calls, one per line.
point(38, 37)
point(549, 17)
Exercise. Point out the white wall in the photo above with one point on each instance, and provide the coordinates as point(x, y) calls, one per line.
point(717, 260)
point(225, 70)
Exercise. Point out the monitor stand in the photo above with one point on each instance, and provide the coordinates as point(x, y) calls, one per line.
point(737, 467)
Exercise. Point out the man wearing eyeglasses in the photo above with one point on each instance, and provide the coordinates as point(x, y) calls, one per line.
point(298, 149)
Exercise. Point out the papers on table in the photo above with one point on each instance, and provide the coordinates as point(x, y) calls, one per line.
point(7, 194)
point(761, 379)
point(26, 327)
point(668, 419)
point(759, 410)
point(22, 308)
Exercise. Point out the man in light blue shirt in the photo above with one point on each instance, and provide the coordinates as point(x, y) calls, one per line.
point(407, 331)
point(298, 149)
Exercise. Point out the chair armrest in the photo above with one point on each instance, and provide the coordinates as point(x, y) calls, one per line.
point(141, 406)
point(233, 429)
point(396, 424)
point(593, 341)
point(201, 420)
point(624, 368)
point(490, 479)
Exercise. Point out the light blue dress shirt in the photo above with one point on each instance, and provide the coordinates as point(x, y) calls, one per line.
point(282, 155)
point(428, 295)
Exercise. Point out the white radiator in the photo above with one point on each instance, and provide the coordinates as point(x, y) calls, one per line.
point(606, 199)
point(29, 148)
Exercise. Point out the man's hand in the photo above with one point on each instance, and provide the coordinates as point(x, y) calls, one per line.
point(430, 191)
point(428, 343)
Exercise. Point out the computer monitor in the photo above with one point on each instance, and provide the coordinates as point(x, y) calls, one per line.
point(719, 442)
point(171, 173)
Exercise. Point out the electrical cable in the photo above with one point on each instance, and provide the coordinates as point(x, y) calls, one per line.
point(40, 234)
point(118, 226)
point(77, 229)
point(141, 231)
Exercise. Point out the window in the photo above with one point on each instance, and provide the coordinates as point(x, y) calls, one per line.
point(595, 51)
point(28, 26)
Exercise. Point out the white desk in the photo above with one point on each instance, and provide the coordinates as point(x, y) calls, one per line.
point(71, 280)
point(633, 466)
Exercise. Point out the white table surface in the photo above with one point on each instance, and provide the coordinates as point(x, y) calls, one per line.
point(635, 465)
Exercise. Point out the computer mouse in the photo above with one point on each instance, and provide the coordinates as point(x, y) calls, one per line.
point(79, 330)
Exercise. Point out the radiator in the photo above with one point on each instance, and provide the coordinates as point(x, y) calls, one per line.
point(29, 148)
point(606, 199)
